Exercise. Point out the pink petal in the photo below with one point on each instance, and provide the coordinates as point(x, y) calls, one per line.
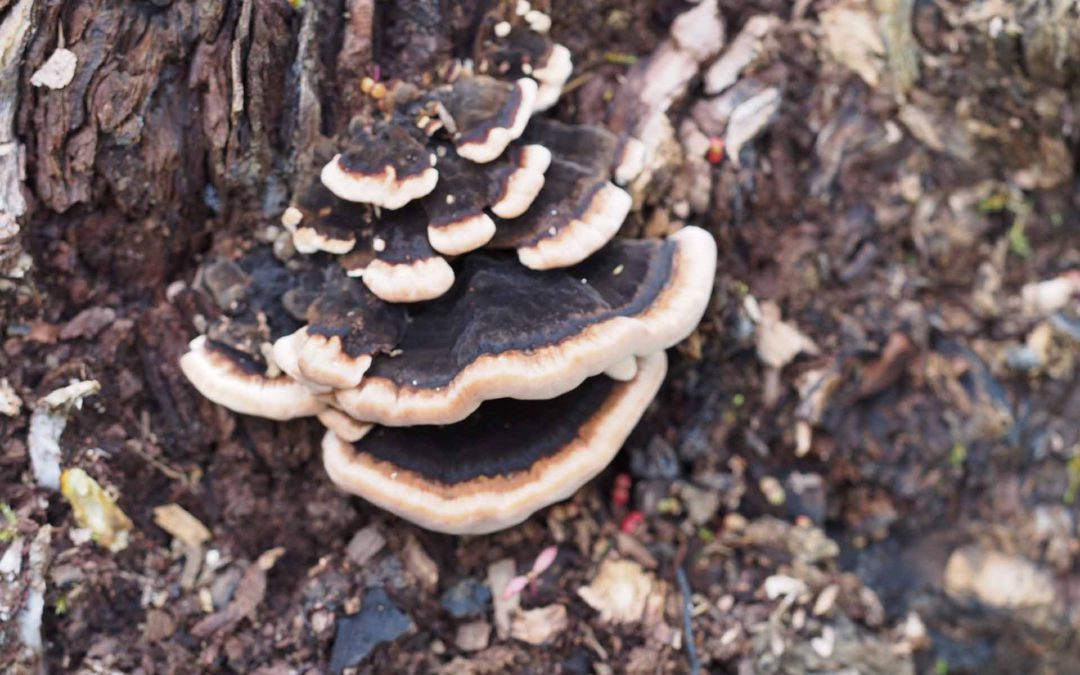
point(515, 586)
point(544, 560)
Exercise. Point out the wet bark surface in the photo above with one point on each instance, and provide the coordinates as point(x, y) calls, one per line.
point(895, 221)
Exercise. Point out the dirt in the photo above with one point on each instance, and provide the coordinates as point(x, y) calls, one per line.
point(858, 504)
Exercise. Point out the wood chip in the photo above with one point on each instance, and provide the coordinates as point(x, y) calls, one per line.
point(179, 523)
point(420, 564)
point(365, 545)
point(473, 636)
point(57, 72)
point(499, 575)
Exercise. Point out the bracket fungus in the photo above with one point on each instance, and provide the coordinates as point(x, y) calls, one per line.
point(462, 318)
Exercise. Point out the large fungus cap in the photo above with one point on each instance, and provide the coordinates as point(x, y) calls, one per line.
point(506, 331)
point(259, 299)
point(387, 168)
point(265, 302)
point(500, 465)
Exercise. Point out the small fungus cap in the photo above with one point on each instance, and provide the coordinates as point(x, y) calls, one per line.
point(389, 169)
point(226, 377)
point(487, 114)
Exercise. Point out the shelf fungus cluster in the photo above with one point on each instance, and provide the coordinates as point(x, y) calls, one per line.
point(466, 325)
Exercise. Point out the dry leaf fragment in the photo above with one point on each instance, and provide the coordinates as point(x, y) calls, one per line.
point(749, 119)
point(744, 50)
point(10, 403)
point(420, 564)
point(249, 594)
point(852, 37)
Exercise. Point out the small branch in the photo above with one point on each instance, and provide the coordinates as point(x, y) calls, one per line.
point(688, 628)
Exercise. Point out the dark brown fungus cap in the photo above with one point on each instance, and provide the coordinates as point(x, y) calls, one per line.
point(578, 210)
point(526, 53)
point(457, 217)
point(589, 146)
point(321, 221)
point(403, 266)
point(506, 331)
point(231, 365)
point(347, 326)
point(500, 465)
point(484, 114)
point(387, 168)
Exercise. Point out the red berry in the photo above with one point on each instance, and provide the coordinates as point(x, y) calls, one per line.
point(620, 494)
point(631, 521)
point(715, 154)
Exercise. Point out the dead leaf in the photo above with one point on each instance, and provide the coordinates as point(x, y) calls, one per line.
point(749, 119)
point(887, 369)
point(540, 625)
point(851, 36)
point(778, 342)
point(744, 50)
point(619, 592)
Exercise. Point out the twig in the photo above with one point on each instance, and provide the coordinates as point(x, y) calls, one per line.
point(688, 628)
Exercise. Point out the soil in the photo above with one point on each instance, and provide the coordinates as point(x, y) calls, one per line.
point(898, 497)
